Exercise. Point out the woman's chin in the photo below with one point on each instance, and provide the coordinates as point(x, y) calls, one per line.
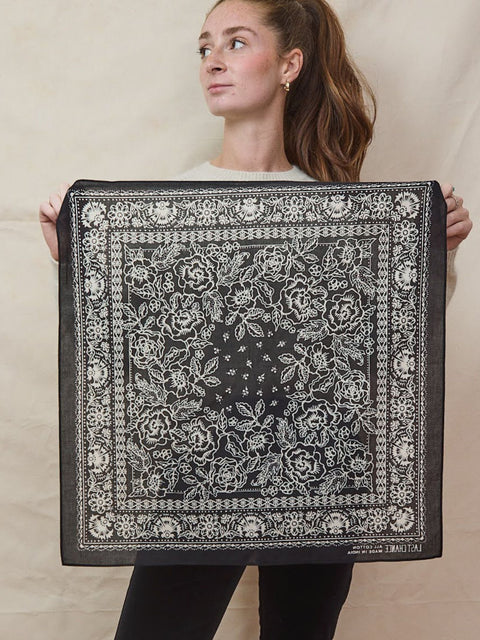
point(224, 112)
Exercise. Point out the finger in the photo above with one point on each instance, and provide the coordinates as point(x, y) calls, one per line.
point(56, 201)
point(50, 236)
point(447, 190)
point(460, 229)
point(457, 215)
point(47, 213)
point(453, 202)
point(64, 187)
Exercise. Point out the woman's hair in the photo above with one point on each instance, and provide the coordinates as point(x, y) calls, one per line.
point(327, 124)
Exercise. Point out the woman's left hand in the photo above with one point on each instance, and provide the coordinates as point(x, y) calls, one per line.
point(459, 224)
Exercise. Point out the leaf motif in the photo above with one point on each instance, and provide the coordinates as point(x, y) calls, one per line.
point(199, 344)
point(201, 474)
point(329, 262)
point(211, 366)
point(143, 310)
point(195, 367)
point(189, 494)
point(287, 374)
point(369, 427)
point(138, 458)
point(298, 264)
point(367, 421)
point(350, 415)
point(212, 305)
point(255, 330)
point(259, 408)
point(198, 390)
point(232, 447)
point(286, 434)
point(248, 274)
point(156, 375)
point(150, 320)
point(145, 291)
point(133, 254)
point(230, 319)
point(130, 311)
point(222, 423)
point(212, 381)
point(287, 358)
point(243, 425)
point(180, 447)
point(326, 383)
point(333, 483)
point(341, 364)
point(363, 278)
point(229, 272)
point(151, 392)
point(245, 409)
point(183, 409)
point(276, 318)
point(315, 330)
point(269, 420)
point(171, 476)
point(254, 314)
point(303, 374)
point(239, 331)
point(270, 468)
point(298, 395)
point(266, 289)
point(171, 356)
point(253, 464)
point(355, 427)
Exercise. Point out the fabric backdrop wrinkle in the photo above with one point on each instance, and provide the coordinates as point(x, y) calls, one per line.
point(109, 90)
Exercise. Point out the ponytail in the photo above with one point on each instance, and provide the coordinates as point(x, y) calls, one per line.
point(327, 124)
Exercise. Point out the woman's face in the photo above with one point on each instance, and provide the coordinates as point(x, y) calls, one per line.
point(241, 72)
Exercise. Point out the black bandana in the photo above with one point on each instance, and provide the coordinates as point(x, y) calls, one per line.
point(251, 373)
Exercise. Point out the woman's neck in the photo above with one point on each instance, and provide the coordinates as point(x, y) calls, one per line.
point(252, 146)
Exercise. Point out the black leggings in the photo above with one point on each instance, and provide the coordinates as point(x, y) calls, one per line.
point(297, 602)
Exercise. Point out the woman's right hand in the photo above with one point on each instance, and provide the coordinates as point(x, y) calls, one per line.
point(48, 214)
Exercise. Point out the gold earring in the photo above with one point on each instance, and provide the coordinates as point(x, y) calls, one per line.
point(286, 86)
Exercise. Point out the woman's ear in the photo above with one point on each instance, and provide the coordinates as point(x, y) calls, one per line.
point(293, 63)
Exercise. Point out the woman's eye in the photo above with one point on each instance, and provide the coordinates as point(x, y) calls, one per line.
point(204, 52)
point(237, 44)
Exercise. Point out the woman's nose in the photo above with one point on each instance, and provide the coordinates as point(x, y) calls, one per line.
point(215, 62)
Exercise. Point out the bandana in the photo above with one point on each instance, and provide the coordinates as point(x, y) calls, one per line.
point(251, 373)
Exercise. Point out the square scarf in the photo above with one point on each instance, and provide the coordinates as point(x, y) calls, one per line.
point(251, 372)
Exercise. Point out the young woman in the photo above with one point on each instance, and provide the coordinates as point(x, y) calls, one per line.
point(293, 104)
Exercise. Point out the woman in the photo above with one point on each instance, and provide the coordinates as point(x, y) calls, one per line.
point(278, 73)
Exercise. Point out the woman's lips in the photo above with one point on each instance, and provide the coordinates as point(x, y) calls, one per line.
point(217, 88)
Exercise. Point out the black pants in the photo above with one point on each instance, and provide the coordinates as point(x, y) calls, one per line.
point(297, 602)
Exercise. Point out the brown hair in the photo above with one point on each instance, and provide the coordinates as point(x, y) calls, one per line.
point(327, 124)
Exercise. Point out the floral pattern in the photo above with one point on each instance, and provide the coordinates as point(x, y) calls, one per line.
point(257, 383)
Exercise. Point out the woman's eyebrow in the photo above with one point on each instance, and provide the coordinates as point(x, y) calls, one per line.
point(227, 32)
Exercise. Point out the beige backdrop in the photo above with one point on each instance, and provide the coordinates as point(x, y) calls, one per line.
point(108, 90)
